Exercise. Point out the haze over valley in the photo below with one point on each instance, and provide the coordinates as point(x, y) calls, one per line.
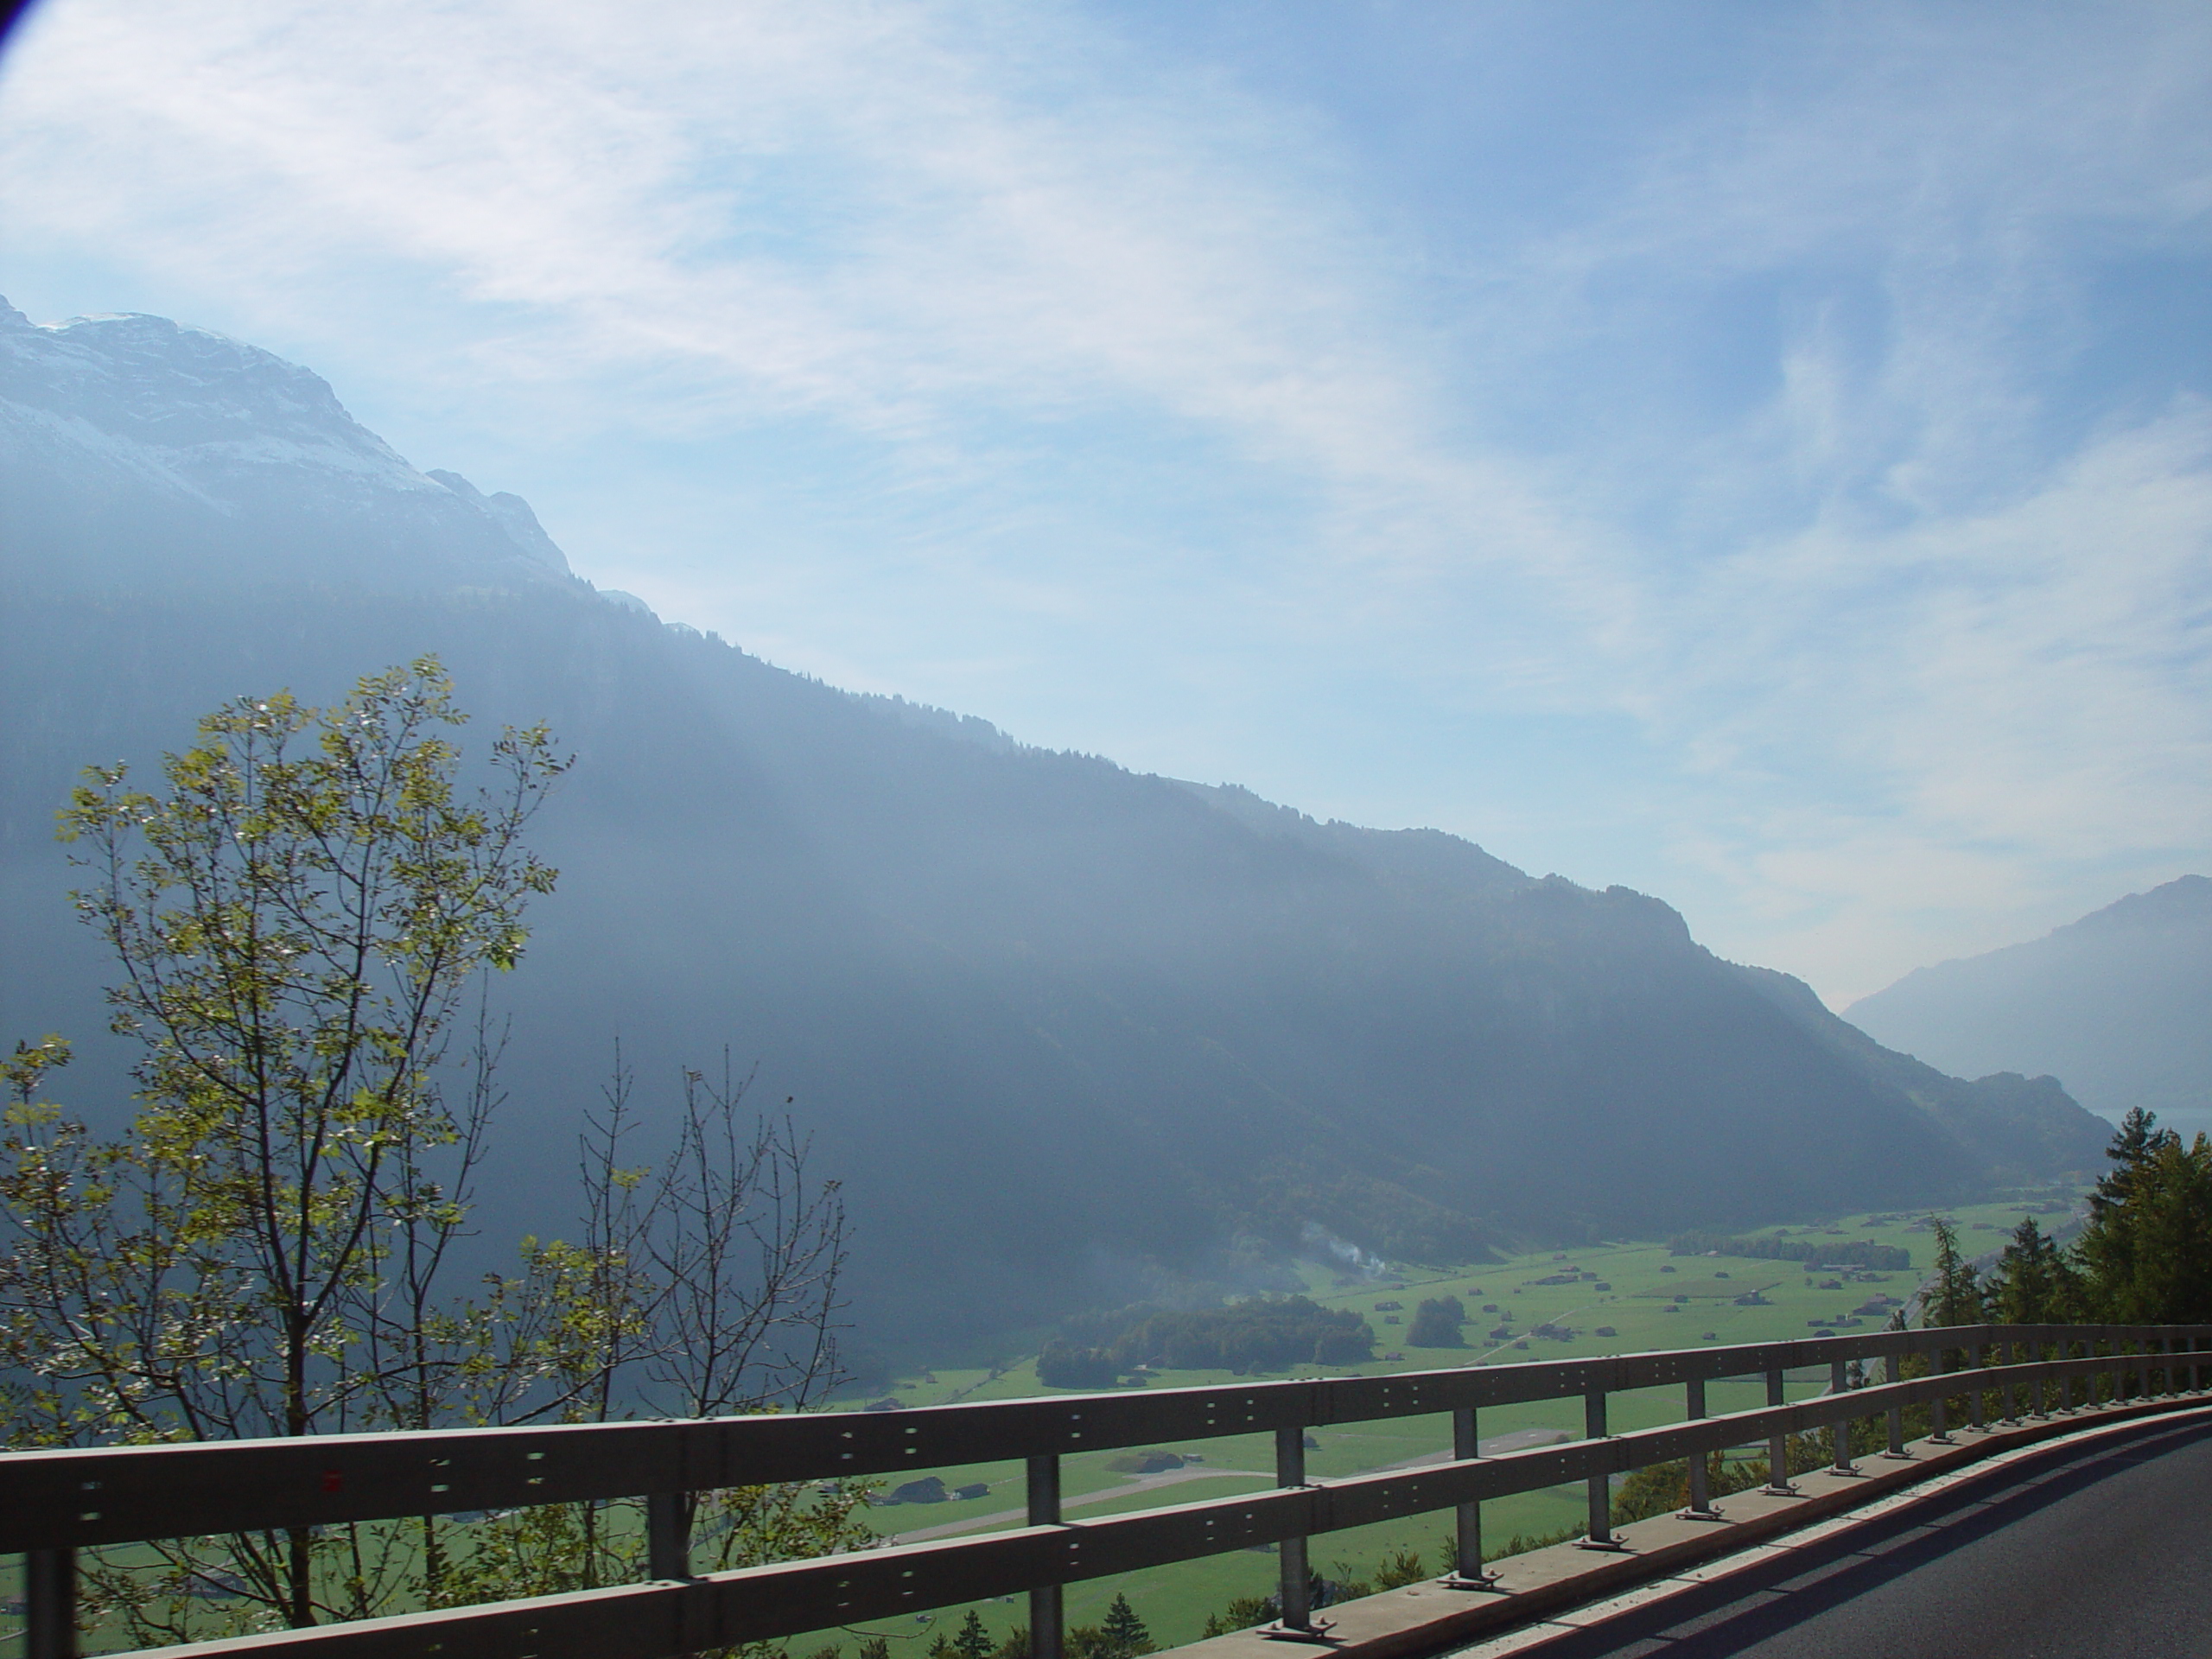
point(1072, 1036)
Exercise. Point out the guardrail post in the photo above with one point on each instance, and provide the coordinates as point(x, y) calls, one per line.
point(1893, 1369)
point(1295, 1593)
point(2008, 1354)
point(1939, 1409)
point(1044, 1483)
point(668, 1535)
point(1600, 1486)
point(1700, 1507)
point(1840, 1386)
point(1974, 1400)
point(1467, 1570)
point(50, 1604)
point(1777, 1445)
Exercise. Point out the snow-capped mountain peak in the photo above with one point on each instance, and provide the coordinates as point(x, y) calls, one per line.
point(138, 453)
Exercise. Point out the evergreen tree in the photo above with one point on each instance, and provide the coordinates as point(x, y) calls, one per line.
point(2147, 1253)
point(1124, 1630)
point(2139, 1140)
point(972, 1642)
point(1954, 1295)
point(2034, 1283)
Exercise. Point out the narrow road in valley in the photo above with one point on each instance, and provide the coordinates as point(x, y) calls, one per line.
point(2098, 1551)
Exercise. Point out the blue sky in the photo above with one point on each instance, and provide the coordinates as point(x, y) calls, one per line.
point(1759, 454)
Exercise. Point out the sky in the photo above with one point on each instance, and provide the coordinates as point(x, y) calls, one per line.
point(1759, 454)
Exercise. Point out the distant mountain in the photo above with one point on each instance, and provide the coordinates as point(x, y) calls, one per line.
point(2117, 1005)
point(2020, 1128)
point(1068, 1034)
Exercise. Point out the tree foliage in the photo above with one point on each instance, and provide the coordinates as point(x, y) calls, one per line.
point(1953, 1295)
point(1439, 1322)
point(1264, 1333)
point(1853, 1253)
point(2144, 1256)
point(1123, 1629)
point(299, 917)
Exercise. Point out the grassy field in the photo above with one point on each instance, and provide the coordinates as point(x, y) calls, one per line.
point(1638, 1294)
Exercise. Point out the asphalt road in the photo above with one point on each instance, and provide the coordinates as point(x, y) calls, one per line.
point(2103, 1552)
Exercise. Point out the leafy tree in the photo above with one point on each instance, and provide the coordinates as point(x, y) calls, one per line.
point(1061, 1365)
point(1399, 1569)
point(1265, 1333)
point(1241, 1614)
point(299, 919)
point(1439, 1322)
point(1124, 1630)
point(1664, 1488)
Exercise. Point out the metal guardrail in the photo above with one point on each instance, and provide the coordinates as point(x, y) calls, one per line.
point(57, 1502)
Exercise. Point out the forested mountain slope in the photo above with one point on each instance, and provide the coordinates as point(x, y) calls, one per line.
point(1062, 1029)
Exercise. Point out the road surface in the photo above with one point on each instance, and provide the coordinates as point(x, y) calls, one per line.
point(2099, 1552)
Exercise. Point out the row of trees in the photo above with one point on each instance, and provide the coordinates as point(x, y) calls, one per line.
point(1265, 1333)
point(2144, 1257)
point(1122, 1634)
point(1853, 1253)
point(304, 919)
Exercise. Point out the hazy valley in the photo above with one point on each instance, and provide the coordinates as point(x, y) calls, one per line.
point(1071, 1036)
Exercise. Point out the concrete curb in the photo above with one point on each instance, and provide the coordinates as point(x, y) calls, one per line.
point(1546, 1594)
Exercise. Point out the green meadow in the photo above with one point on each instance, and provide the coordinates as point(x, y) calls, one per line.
point(1624, 1297)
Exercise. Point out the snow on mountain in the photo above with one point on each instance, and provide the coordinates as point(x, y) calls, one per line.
point(125, 437)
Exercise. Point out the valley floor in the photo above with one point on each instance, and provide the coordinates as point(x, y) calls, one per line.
point(1627, 1297)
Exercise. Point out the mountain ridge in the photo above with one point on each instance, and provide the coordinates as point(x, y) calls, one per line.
point(1067, 1031)
point(2116, 1003)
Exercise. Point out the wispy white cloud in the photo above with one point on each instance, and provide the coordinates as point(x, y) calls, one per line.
point(1919, 642)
